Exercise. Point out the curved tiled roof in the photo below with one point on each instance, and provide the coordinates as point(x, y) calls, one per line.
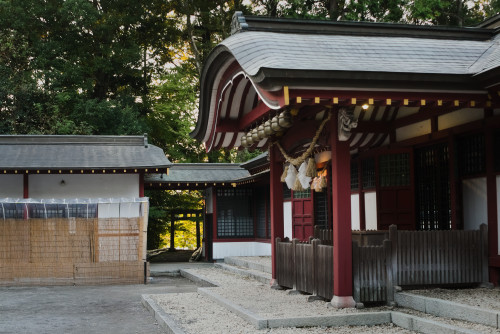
point(255, 50)
point(86, 152)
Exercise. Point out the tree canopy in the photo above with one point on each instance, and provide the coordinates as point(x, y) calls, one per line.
point(116, 67)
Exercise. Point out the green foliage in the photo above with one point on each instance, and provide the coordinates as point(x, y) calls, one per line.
point(76, 66)
point(161, 204)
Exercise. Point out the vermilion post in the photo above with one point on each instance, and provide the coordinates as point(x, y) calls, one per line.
point(141, 184)
point(276, 198)
point(341, 215)
point(25, 186)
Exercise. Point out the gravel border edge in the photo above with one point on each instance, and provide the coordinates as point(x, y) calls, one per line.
point(448, 309)
point(164, 320)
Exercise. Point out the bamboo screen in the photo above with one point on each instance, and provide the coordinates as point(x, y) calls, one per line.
point(72, 250)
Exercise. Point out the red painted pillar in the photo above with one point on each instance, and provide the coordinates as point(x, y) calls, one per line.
point(341, 215)
point(26, 186)
point(25, 194)
point(141, 184)
point(491, 195)
point(276, 202)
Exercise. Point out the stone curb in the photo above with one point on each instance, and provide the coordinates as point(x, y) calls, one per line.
point(250, 317)
point(400, 319)
point(426, 326)
point(248, 264)
point(353, 319)
point(448, 309)
point(164, 320)
point(263, 278)
point(197, 279)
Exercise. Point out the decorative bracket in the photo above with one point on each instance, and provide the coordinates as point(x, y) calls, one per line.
point(346, 122)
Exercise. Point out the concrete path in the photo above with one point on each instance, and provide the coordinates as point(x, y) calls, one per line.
point(84, 309)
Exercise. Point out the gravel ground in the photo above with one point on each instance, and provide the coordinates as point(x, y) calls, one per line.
point(198, 314)
point(480, 297)
point(262, 300)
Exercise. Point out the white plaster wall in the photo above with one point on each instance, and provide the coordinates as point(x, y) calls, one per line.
point(84, 186)
point(11, 185)
point(498, 212)
point(355, 219)
point(474, 203)
point(459, 117)
point(250, 248)
point(413, 130)
point(287, 219)
point(371, 210)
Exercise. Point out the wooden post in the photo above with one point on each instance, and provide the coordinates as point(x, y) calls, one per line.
point(172, 232)
point(388, 268)
point(294, 261)
point(314, 244)
point(355, 272)
point(276, 201)
point(198, 230)
point(341, 209)
point(393, 237)
point(491, 196)
point(484, 252)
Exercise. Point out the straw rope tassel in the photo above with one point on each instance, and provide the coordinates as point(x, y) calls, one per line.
point(311, 168)
point(283, 176)
point(297, 186)
point(302, 158)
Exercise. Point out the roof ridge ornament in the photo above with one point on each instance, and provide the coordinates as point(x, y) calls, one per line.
point(238, 23)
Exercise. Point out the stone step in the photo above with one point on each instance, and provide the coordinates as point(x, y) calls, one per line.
point(246, 272)
point(250, 263)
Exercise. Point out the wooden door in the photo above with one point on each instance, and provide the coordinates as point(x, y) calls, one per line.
point(395, 194)
point(302, 215)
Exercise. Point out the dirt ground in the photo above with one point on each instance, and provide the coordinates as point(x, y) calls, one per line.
point(170, 256)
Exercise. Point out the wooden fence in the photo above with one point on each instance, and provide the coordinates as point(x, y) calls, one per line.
point(306, 267)
point(364, 238)
point(406, 258)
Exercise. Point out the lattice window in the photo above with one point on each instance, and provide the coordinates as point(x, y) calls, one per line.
point(433, 188)
point(262, 213)
point(234, 215)
point(287, 193)
point(394, 170)
point(302, 194)
point(354, 175)
point(368, 173)
point(321, 209)
point(471, 155)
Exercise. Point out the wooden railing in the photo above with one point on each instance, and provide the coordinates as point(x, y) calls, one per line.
point(364, 238)
point(439, 257)
point(306, 267)
point(416, 258)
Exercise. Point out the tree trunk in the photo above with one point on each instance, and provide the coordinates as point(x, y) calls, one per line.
point(333, 10)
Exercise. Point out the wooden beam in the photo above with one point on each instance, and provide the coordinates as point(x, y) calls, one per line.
point(253, 116)
point(227, 125)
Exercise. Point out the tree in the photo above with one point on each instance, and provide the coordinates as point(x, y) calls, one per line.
point(80, 68)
